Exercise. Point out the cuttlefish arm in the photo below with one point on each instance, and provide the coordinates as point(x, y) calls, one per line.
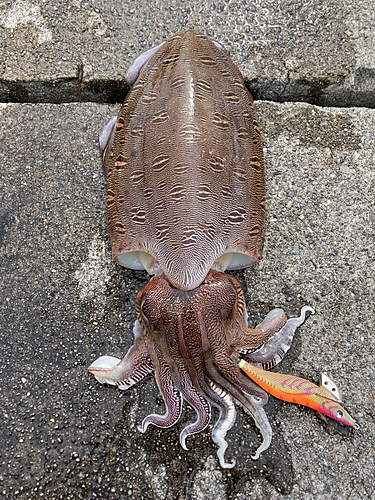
point(266, 345)
point(298, 390)
point(131, 369)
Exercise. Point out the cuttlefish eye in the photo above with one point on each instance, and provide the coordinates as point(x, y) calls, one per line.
point(160, 302)
point(151, 303)
point(217, 295)
point(143, 301)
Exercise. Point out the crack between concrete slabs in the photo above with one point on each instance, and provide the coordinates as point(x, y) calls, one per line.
point(76, 89)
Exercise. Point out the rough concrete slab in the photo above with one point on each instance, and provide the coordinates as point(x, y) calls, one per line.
point(322, 52)
point(64, 303)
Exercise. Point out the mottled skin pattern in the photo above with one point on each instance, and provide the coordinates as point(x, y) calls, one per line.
point(186, 199)
point(186, 172)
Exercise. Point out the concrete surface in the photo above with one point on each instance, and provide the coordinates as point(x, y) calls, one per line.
point(64, 303)
point(321, 51)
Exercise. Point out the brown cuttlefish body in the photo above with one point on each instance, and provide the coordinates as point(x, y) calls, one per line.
point(186, 201)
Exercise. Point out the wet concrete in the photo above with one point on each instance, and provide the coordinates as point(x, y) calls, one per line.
point(64, 303)
point(321, 52)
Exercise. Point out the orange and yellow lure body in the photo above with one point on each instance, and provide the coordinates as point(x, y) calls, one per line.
point(298, 390)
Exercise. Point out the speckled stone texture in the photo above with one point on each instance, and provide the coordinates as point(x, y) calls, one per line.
point(320, 51)
point(64, 303)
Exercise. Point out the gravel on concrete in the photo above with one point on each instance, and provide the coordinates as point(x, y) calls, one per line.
point(321, 51)
point(64, 303)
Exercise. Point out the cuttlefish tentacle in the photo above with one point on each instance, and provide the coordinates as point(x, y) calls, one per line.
point(261, 421)
point(193, 340)
point(131, 369)
point(273, 350)
point(251, 404)
point(200, 405)
point(245, 339)
point(249, 339)
point(248, 387)
point(227, 417)
point(172, 400)
point(190, 388)
point(254, 407)
point(266, 344)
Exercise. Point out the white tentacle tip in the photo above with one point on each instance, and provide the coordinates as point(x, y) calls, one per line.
point(104, 363)
point(183, 442)
point(306, 309)
point(102, 369)
point(226, 465)
point(263, 447)
point(143, 428)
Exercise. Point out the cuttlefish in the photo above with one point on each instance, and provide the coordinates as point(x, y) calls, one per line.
point(186, 202)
